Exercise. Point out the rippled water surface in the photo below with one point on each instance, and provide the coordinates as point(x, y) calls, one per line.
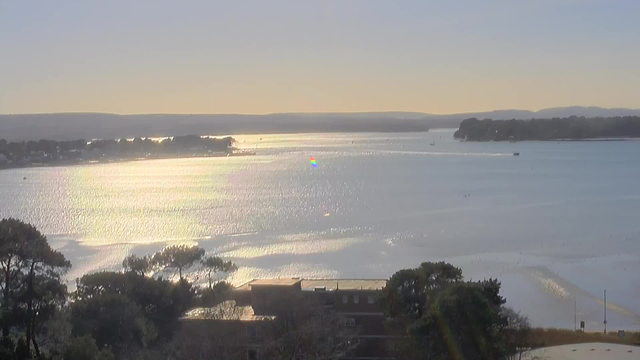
point(557, 223)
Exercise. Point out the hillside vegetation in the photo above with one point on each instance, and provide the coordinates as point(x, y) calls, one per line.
point(574, 128)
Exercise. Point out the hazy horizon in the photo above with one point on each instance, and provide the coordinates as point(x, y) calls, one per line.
point(210, 57)
point(331, 112)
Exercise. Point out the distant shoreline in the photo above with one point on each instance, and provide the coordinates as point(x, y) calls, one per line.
point(601, 139)
point(564, 140)
point(90, 125)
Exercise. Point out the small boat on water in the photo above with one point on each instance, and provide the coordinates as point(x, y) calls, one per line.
point(516, 154)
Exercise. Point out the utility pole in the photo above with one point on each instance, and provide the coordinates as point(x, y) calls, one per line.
point(575, 315)
point(605, 312)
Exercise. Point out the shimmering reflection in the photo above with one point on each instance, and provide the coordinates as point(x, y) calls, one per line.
point(142, 202)
point(558, 222)
point(294, 248)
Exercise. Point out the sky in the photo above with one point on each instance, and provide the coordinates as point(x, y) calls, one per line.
point(255, 57)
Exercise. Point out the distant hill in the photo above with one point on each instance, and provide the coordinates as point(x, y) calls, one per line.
point(69, 126)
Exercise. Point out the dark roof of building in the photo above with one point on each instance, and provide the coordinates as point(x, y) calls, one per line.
point(343, 284)
point(268, 282)
point(274, 282)
point(313, 284)
point(225, 311)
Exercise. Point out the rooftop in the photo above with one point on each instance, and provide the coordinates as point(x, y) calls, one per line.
point(587, 351)
point(274, 282)
point(343, 284)
point(225, 311)
point(312, 284)
point(268, 282)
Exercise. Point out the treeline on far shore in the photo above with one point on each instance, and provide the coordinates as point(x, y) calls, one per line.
point(25, 153)
point(571, 128)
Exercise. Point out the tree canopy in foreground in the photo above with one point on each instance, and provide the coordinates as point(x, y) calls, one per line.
point(135, 314)
point(112, 315)
point(447, 318)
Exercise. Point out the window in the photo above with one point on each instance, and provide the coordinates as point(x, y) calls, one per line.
point(345, 299)
point(252, 354)
point(349, 322)
point(252, 331)
point(356, 299)
point(370, 299)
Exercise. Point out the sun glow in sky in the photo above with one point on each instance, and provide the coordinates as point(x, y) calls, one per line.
point(312, 56)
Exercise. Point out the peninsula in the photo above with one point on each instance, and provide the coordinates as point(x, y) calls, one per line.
point(50, 152)
point(570, 128)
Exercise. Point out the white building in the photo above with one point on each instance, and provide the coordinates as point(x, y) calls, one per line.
point(587, 351)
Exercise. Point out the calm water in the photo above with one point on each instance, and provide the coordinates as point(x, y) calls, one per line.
point(559, 222)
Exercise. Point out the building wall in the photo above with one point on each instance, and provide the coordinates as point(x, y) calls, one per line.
point(373, 348)
point(215, 339)
point(269, 300)
point(363, 304)
point(366, 325)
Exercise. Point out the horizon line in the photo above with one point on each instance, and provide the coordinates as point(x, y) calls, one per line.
point(322, 112)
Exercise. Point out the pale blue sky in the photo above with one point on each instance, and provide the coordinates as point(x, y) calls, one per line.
point(309, 56)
